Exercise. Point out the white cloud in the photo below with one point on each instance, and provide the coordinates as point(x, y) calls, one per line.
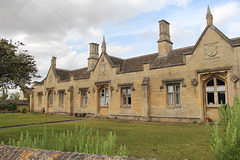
point(221, 14)
point(65, 28)
point(118, 50)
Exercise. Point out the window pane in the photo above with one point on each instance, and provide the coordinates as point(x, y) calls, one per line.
point(219, 82)
point(170, 89)
point(83, 100)
point(221, 98)
point(123, 91)
point(209, 89)
point(210, 83)
point(124, 99)
point(101, 101)
point(86, 98)
point(129, 92)
point(62, 98)
point(170, 98)
point(50, 98)
point(178, 101)
point(210, 98)
point(102, 93)
point(221, 88)
point(106, 100)
point(106, 92)
point(129, 96)
point(40, 99)
point(177, 88)
point(129, 100)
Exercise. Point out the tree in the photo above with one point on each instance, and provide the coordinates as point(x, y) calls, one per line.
point(225, 140)
point(17, 67)
point(4, 94)
point(15, 95)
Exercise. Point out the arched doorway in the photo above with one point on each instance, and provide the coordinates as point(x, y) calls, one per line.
point(215, 94)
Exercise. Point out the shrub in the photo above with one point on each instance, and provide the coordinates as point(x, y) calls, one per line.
point(225, 140)
point(12, 106)
point(24, 110)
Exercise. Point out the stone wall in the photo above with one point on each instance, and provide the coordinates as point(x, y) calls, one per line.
point(22, 153)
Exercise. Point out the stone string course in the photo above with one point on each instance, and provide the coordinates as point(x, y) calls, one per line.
point(24, 153)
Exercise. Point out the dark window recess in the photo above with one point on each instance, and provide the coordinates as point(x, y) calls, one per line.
point(210, 98)
point(210, 83)
point(219, 82)
point(221, 98)
point(129, 101)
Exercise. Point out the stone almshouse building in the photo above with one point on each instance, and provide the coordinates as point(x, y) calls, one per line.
point(172, 85)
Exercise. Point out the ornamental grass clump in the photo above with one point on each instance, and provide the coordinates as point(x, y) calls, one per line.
point(225, 139)
point(80, 140)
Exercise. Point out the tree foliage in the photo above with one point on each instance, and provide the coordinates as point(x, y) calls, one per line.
point(225, 140)
point(15, 95)
point(4, 94)
point(17, 66)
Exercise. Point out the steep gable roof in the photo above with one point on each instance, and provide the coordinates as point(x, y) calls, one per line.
point(65, 75)
point(222, 35)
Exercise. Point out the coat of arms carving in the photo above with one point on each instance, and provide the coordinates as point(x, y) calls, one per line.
point(211, 50)
point(103, 68)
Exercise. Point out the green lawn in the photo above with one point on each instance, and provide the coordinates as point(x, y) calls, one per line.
point(143, 140)
point(13, 119)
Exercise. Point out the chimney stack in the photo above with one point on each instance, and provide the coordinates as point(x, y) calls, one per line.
point(164, 43)
point(93, 55)
point(53, 61)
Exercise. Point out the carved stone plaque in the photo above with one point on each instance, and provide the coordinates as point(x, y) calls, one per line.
point(211, 50)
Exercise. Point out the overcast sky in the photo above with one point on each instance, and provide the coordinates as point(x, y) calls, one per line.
point(64, 28)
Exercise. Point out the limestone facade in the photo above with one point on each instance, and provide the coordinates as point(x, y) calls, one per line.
point(172, 85)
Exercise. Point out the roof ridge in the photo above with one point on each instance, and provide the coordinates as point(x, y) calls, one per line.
point(78, 69)
point(141, 56)
point(116, 57)
point(183, 48)
point(62, 69)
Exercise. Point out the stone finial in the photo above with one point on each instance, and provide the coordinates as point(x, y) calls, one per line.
point(104, 45)
point(53, 61)
point(209, 17)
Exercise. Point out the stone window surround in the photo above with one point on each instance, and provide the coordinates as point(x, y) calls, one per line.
point(167, 82)
point(80, 91)
point(40, 94)
point(126, 105)
point(50, 92)
point(125, 86)
point(59, 100)
point(174, 105)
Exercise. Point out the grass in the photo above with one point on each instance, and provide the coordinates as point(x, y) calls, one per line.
point(14, 119)
point(143, 140)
